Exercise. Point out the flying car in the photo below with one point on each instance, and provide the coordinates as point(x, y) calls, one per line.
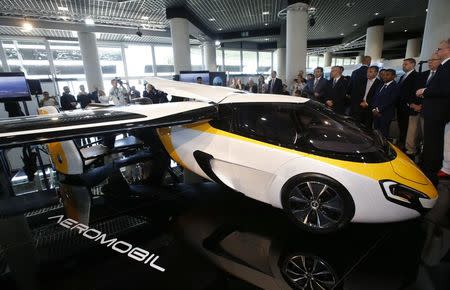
point(321, 168)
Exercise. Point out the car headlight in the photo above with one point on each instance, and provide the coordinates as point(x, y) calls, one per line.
point(404, 195)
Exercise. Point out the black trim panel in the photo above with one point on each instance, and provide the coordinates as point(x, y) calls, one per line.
point(61, 134)
point(204, 161)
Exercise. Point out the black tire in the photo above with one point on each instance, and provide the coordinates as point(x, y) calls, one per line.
point(308, 272)
point(317, 203)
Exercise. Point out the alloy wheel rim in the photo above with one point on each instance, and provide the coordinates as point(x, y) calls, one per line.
point(316, 205)
point(309, 272)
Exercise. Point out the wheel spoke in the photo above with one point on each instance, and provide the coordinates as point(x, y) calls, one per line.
point(301, 213)
point(297, 266)
point(298, 199)
point(311, 189)
point(320, 286)
point(307, 216)
point(317, 219)
point(332, 208)
point(325, 187)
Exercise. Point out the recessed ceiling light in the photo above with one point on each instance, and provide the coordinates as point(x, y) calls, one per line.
point(266, 24)
point(265, 13)
point(350, 4)
point(217, 42)
point(144, 17)
point(377, 13)
point(212, 19)
point(62, 8)
point(392, 21)
point(89, 21)
point(355, 24)
point(342, 34)
point(406, 30)
point(27, 26)
point(220, 29)
point(426, 10)
point(266, 39)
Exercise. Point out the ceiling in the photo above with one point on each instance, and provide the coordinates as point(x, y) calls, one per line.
point(334, 19)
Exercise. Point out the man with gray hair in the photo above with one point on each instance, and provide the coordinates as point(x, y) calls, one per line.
point(436, 104)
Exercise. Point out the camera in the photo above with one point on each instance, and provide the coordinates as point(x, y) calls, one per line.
point(312, 21)
point(119, 81)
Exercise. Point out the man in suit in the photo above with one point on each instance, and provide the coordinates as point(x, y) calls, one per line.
point(316, 88)
point(275, 84)
point(436, 113)
point(68, 101)
point(357, 86)
point(383, 107)
point(415, 123)
point(407, 89)
point(337, 91)
point(362, 112)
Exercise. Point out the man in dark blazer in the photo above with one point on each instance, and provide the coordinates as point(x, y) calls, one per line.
point(407, 89)
point(383, 106)
point(415, 104)
point(317, 88)
point(275, 84)
point(436, 113)
point(357, 86)
point(337, 91)
point(361, 104)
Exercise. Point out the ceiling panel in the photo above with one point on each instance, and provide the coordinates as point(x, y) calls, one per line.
point(333, 18)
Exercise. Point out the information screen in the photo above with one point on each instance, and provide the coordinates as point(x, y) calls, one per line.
point(191, 76)
point(14, 87)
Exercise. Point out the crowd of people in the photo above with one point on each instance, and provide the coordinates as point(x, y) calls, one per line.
point(372, 96)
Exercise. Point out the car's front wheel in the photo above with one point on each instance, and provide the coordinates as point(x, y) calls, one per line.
point(317, 203)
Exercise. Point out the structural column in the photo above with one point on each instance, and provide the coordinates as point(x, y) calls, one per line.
point(91, 61)
point(374, 39)
point(327, 57)
point(281, 54)
point(179, 30)
point(436, 26)
point(359, 58)
point(296, 37)
point(413, 48)
point(209, 60)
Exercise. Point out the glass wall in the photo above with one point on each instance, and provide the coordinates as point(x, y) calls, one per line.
point(265, 61)
point(219, 59)
point(249, 62)
point(196, 58)
point(232, 60)
point(164, 60)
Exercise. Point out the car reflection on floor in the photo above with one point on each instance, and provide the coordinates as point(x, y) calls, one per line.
point(209, 237)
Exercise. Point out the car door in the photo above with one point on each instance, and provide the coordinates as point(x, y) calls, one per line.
point(263, 139)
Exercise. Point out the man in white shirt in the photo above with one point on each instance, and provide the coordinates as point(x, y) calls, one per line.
point(119, 95)
point(363, 113)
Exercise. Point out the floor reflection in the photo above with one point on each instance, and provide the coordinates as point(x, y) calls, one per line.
point(207, 237)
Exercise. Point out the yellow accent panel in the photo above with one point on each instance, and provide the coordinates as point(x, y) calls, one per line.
point(165, 137)
point(376, 171)
point(55, 149)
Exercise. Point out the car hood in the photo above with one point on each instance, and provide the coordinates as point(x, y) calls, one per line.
point(406, 168)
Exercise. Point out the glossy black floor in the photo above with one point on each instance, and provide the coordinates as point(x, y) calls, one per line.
point(207, 237)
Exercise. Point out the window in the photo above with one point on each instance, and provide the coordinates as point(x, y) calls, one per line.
point(223, 121)
point(249, 62)
point(164, 60)
point(219, 59)
point(196, 58)
point(274, 60)
point(111, 62)
point(232, 60)
point(139, 60)
point(267, 123)
point(265, 61)
point(321, 61)
point(67, 59)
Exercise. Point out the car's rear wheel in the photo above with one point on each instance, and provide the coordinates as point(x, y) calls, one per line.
point(317, 203)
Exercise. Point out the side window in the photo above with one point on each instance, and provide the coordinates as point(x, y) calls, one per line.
point(223, 121)
point(269, 123)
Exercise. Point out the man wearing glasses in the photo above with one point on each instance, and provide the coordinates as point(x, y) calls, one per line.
point(436, 104)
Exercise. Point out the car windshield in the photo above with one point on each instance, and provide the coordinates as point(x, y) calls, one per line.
point(323, 132)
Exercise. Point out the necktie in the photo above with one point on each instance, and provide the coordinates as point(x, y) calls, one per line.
point(271, 85)
point(334, 82)
point(383, 87)
point(315, 83)
point(402, 78)
point(430, 77)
